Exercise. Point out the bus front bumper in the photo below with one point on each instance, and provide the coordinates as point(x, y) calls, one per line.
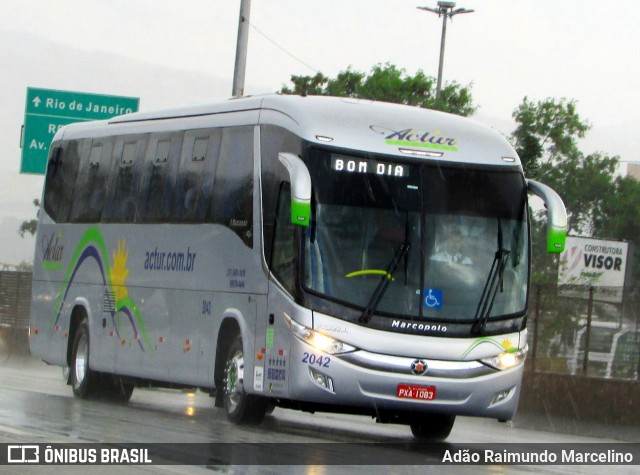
point(381, 383)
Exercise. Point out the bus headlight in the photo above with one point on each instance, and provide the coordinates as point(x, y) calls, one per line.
point(506, 360)
point(317, 340)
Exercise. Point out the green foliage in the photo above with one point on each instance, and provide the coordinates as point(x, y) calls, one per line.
point(620, 217)
point(621, 210)
point(583, 182)
point(307, 85)
point(30, 226)
point(24, 266)
point(547, 133)
point(599, 204)
point(387, 83)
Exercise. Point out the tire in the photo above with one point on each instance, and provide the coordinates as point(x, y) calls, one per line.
point(241, 408)
point(125, 391)
point(83, 380)
point(115, 389)
point(89, 384)
point(432, 427)
point(270, 406)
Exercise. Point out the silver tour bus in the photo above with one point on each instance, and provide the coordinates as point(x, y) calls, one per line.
point(313, 253)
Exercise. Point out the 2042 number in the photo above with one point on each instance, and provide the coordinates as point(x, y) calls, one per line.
point(310, 358)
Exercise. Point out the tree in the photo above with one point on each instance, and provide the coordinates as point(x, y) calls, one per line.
point(599, 204)
point(389, 84)
point(546, 139)
point(547, 133)
point(621, 210)
point(24, 266)
point(584, 183)
point(620, 218)
point(30, 226)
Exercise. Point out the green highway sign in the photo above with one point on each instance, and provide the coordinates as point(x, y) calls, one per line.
point(47, 110)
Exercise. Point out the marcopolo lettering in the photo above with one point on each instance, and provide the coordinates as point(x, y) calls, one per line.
point(418, 327)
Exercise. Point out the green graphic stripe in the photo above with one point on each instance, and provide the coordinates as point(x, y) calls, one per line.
point(92, 235)
point(435, 146)
point(481, 341)
point(51, 266)
point(129, 303)
point(369, 272)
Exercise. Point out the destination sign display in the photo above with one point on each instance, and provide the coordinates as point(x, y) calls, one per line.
point(363, 165)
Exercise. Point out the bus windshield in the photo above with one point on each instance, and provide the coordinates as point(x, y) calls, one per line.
point(414, 240)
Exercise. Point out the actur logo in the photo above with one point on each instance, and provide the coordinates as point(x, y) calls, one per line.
point(416, 138)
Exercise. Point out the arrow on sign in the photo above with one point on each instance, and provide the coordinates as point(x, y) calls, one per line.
point(36, 101)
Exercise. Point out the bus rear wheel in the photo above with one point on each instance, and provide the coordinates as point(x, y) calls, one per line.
point(83, 380)
point(89, 384)
point(115, 389)
point(432, 427)
point(241, 408)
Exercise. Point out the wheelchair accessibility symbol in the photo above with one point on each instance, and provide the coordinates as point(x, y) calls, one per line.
point(433, 298)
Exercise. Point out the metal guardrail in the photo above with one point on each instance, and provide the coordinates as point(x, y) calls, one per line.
point(15, 299)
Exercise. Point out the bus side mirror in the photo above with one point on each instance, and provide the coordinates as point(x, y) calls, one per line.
point(300, 188)
point(556, 215)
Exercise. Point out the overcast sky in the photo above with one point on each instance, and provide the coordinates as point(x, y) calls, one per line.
point(172, 52)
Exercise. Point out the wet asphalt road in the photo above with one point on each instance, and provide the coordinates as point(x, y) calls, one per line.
point(36, 406)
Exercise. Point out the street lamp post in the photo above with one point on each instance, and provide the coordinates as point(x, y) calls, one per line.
point(241, 49)
point(446, 11)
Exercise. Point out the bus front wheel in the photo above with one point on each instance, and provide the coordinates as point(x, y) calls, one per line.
point(432, 427)
point(241, 408)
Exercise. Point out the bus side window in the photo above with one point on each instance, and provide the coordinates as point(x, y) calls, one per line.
point(123, 185)
point(283, 253)
point(91, 183)
point(61, 176)
point(232, 204)
point(195, 176)
point(158, 177)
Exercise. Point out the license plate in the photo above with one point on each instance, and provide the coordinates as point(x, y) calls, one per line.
point(409, 391)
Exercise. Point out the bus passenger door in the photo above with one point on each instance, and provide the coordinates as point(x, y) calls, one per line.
point(275, 342)
point(282, 284)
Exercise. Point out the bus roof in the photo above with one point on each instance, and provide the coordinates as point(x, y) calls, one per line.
point(348, 123)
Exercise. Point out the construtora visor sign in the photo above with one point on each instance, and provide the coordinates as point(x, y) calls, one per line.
point(594, 263)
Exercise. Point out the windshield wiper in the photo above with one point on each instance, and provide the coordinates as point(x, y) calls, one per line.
point(384, 282)
point(491, 286)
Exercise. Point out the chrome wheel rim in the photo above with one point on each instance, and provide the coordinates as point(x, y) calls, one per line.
point(233, 380)
point(80, 363)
